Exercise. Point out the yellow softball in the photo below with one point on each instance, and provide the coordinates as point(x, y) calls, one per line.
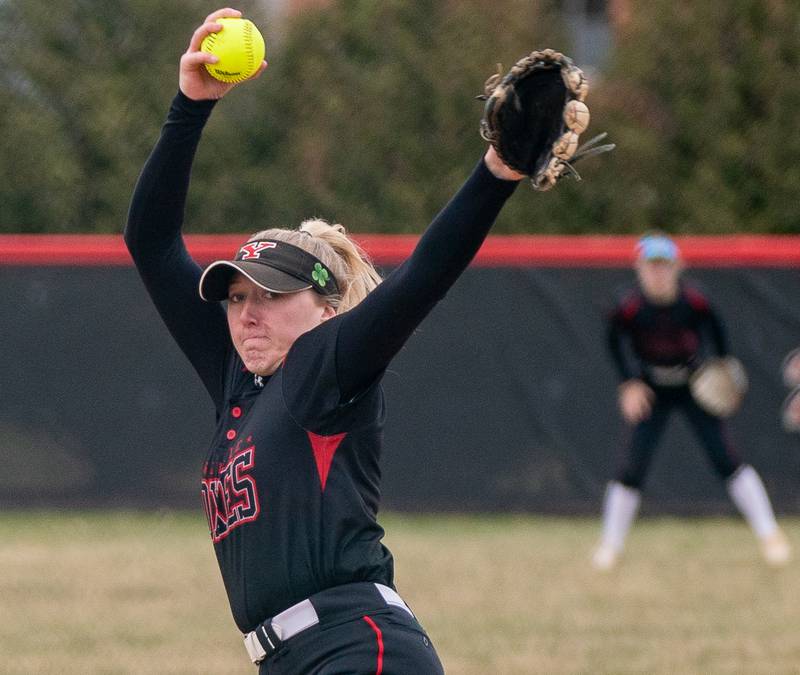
point(239, 46)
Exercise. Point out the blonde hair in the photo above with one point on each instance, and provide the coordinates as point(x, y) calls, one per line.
point(354, 272)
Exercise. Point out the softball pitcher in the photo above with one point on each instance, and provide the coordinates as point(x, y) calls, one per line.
point(291, 338)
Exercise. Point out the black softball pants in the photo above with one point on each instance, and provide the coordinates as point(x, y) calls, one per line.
point(709, 430)
point(358, 634)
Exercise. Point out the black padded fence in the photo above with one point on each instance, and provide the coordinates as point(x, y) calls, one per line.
point(504, 400)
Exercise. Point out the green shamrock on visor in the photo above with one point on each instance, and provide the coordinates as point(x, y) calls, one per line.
point(320, 275)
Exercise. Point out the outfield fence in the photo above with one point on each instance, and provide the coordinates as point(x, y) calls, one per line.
point(503, 400)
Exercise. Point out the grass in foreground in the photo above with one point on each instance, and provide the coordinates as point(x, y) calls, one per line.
point(140, 593)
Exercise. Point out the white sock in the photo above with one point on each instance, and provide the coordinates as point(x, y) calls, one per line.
point(619, 509)
point(748, 493)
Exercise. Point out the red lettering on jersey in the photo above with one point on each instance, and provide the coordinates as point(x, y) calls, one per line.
point(230, 497)
point(253, 251)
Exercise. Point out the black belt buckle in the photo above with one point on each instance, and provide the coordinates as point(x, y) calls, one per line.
point(269, 640)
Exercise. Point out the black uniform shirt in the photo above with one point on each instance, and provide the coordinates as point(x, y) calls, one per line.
point(663, 343)
point(291, 482)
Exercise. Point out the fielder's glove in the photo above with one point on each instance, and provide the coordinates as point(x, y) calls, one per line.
point(534, 115)
point(790, 368)
point(790, 411)
point(719, 385)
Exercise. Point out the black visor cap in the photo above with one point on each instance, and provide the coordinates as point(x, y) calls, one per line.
point(276, 266)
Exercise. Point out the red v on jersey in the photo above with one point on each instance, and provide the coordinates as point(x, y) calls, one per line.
point(324, 448)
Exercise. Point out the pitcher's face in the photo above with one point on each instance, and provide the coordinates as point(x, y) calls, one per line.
point(264, 325)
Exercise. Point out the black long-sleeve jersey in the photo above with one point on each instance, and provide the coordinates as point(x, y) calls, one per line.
point(291, 482)
point(662, 344)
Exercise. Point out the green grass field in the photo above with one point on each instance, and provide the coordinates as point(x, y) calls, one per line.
point(133, 593)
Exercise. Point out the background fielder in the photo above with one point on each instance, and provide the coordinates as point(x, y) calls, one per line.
point(658, 335)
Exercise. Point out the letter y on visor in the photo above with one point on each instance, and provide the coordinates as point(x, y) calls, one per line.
point(274, 265)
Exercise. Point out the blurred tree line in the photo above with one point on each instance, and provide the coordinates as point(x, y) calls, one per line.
point(367, 115)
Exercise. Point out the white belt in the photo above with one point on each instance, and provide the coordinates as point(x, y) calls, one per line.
point(295, 620)
point(669, 376)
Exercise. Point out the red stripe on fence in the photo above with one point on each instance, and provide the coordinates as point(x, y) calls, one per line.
point(498, 251)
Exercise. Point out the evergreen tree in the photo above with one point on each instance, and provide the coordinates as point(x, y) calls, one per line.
point(703, 103)
point(367, 116)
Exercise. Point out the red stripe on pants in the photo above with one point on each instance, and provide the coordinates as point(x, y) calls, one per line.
point(379, 637)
